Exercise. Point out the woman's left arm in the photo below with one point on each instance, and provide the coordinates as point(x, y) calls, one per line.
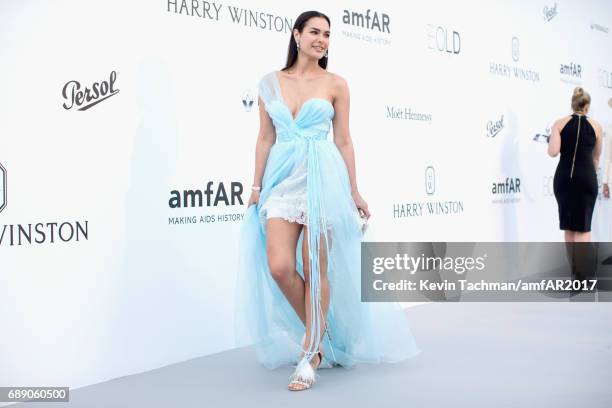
point(342, 138)
point(598, 144)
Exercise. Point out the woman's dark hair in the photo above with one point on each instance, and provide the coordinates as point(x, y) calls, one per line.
point(299, 24)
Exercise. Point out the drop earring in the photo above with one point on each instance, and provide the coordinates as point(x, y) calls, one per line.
point(298, 44)
point(326, 55)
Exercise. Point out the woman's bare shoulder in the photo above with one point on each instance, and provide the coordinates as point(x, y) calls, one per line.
point(338, 84)
point(596, 126)
point(336, 78)
point(561, 122)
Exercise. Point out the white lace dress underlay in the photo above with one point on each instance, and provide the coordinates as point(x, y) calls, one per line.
point(289, 199)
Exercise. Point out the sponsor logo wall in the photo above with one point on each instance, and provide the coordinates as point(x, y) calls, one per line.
point(494, 127)
point(39, 232)
point(571, 73)
point(550, 12)
point(3, 191)
point(514, 71)
point(442, 39)
point(431, 206)
point(84, 98)
point(366, 25)
point(124, 177)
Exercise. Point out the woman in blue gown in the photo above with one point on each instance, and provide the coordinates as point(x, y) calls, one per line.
point(299, 273)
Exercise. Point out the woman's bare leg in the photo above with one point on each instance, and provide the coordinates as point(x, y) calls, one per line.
point(282, 239)
point(315, 362)
point(569, 248)
point(582, 236)
point(575, 253)
point(325, 291)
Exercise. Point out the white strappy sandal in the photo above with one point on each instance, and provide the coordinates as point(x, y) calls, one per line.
point(304, 375)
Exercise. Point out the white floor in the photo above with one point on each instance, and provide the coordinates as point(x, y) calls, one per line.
point(474, 355)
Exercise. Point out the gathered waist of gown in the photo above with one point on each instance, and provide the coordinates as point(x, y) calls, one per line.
point(292, 133)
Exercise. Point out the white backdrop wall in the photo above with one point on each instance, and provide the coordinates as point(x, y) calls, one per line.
point(113, 280)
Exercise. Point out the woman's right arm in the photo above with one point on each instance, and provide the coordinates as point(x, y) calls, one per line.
point(265, 140)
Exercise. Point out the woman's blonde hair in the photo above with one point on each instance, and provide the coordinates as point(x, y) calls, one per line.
point(580, 99)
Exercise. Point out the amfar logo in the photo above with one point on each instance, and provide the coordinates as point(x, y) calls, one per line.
point(510, 186)
point(373, 27)
point(443, 40)
point(550, 12)
point(571, 73)
point(247, 100)
point(371, 22)
point(493, 128)
point(430, 180)
point(215, 195)
point(515, 49)
point(194, 198)
point(506, 192)
point(2, 187)
point(571, 69)
point(98, 92)
point(542, 137)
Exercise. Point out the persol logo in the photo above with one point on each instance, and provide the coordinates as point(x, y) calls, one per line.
point(85, 98)
point(494, 127)
point(2, 187)
point(550, 12)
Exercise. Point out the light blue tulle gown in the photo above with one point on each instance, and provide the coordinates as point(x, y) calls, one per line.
point(358, 331)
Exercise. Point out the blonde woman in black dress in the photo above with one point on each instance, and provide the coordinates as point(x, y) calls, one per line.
point(579, 139)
